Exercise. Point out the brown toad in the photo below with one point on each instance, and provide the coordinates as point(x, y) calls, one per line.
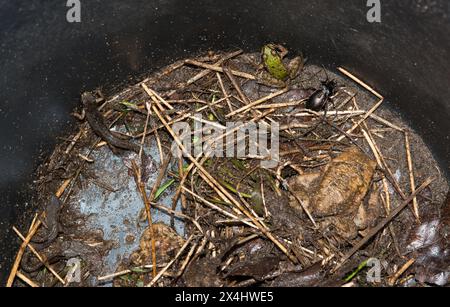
point(167, 243)
point(335, 196)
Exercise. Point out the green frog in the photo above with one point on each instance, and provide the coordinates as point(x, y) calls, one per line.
point(274, 72)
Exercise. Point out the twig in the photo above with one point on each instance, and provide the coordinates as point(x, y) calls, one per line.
point(336, 127)
point(357, 80)
point(183, 115)
point(155, 188)
point(266, 211)
point(188, 258)
point(257, 102)
point(219, 69)
point(235, 84)
point(83, 157)
point(72, 181)
point(293, 125)
point(224, 91)
point(177, 214)
point(387, 171)
point(27, 280)
point(101, 144)
point(377, 154)
point(205, 72)
point(217, 64)
point(411, 175)
point(402, 270)
point(347, 100)
point(306, 113)
point(21, 251)
point(141, 149)
point(385, 122)
point(73, 142)
point(381, 163)
point(181, 174)
point(368, 113)
point(141, 187)
point(41, 259)
point(63, 187)
point(124, 272)
point(243, 97)
point(218, 209)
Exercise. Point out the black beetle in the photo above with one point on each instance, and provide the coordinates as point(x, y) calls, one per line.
point(319, 99)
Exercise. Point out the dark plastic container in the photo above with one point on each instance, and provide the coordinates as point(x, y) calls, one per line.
point(45, 62)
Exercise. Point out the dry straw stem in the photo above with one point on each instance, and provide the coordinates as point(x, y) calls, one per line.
point(41, 259)
point(168, 70)
point(411, 175)
point(257, 102)
point(27, 280)
point(218, 209)
point(155, 97)
point(21, 251)
point(370, 89)
point(376, 153)
point(236, 85)
point(402, 270)
point(182, 115)
point(381, 162)
point(181, 174)
point(177, 214)
point(306, 113)
point(73, 142)
point(360, 82)
point(293, 125)
point(204, 73)
point(243, 98)
point(386, 122)
point(224, 92)
point(201, 74)
point(63, 187)
point(141, 187)
point(378, 156)
point(188, 258)
point(280, 105)
point(368, 113)
point(125, 272)
point(220, 69)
